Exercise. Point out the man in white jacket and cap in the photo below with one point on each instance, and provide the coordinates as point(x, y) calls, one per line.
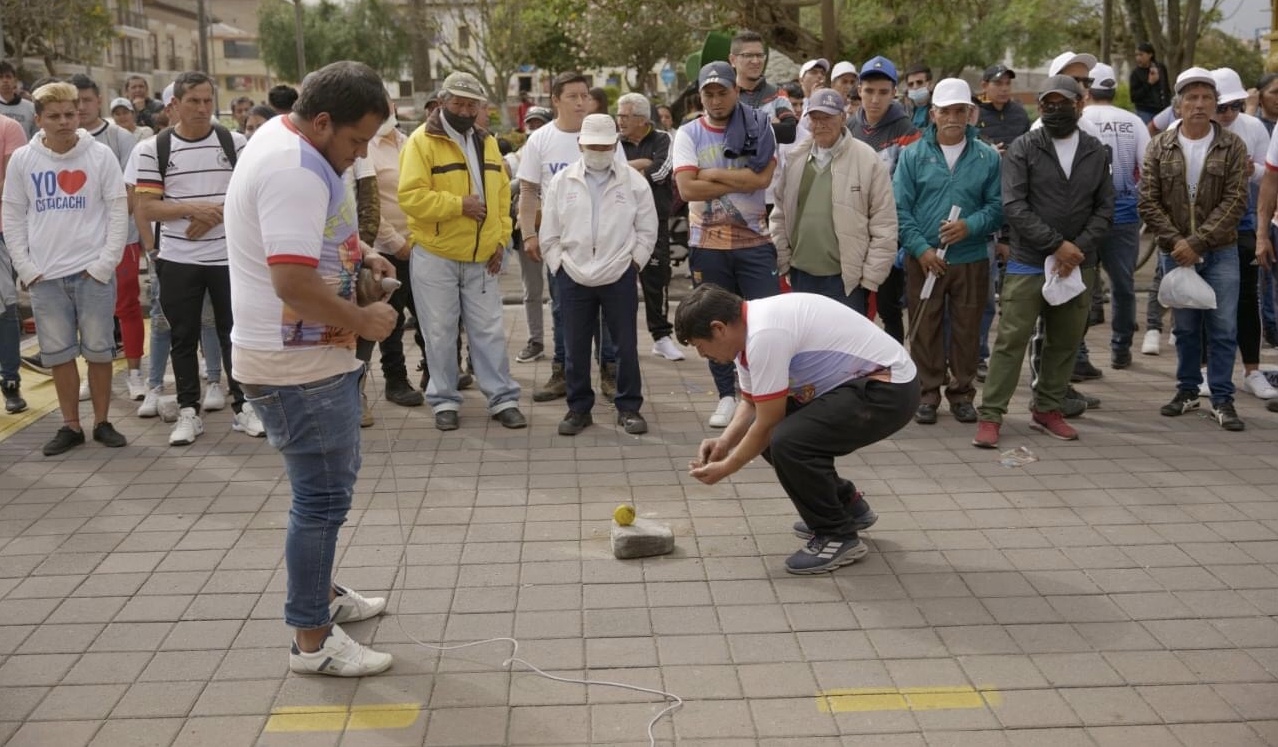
point(66, 218)
point(598, 227)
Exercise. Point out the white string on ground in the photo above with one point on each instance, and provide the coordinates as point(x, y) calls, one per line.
point(675, 702)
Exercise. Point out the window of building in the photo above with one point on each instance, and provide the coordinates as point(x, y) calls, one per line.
point(239, 50)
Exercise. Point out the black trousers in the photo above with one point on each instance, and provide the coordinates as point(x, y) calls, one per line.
point(182, 289)
point(890, 304)
point(844, 419)
point(655, 280)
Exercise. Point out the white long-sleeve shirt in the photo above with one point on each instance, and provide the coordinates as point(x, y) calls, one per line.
point(596, 251)
point(65, 213)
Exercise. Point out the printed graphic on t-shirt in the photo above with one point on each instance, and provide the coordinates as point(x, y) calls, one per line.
point(736, 220)
point(58, 190)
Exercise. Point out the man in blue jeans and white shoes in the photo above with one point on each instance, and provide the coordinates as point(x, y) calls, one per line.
point(1211, 163)
point(294, 255)
point(728, 240)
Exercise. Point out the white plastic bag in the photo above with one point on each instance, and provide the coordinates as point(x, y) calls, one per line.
point(1056, 289)
point(1184, 288)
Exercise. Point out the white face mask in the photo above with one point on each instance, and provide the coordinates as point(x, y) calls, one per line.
point(597, 160)
point(388, 125)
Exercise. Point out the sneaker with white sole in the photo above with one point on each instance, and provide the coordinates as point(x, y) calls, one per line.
point(723, 412)
point(351, 606)
point(247, 421)
point(666, 348)
point(214, 398)
point(84, 388)
point(823, 554)
point(339, 656)
point(137, 385)
point(150, 406)
point(188, 427)
point(1256, 384)
point(1152, 343)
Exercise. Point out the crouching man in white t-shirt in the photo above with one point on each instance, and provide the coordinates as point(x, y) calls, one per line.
point(817, 381)
point(294, 256)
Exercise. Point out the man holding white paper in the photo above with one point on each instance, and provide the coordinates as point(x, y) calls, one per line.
point(949, 170)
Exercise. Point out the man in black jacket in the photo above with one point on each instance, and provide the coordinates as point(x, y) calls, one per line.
point(1058, 199)
point(1151, 89)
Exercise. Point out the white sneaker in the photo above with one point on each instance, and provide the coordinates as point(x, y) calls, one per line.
point(1256, 383)
point(351, 606)
point(84, 388)
point(214, 399)
point(666, 348)
point(247, 421)
point(1153, 340)
point(137, 386)
point(340, 656)
point(188, 427)
point(150, 406)
point(723, 413)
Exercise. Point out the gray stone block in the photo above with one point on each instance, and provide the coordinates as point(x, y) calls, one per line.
point(642, 539)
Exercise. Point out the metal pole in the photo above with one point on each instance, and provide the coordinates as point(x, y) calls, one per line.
point(203, 21)
point(301, 47)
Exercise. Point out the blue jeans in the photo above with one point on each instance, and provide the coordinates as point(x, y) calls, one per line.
point(448, 292)
point(1118, 256)
point(315, 426)
point(582, 304)
point(74, 316)
point(1220, 269)
point(749, 273)
point(605, 348)
point(830, 286)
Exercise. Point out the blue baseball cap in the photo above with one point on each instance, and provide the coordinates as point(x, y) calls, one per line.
point(720, 73)
point(880, 66)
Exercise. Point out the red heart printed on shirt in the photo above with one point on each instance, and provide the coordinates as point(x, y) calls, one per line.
point(72, 181)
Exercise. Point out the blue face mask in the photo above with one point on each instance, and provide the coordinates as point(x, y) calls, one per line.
point(918, 95)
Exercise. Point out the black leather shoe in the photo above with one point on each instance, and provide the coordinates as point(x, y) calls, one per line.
point(632, 422)
point(1120, 359)
point(926, 415)
point(447, 420)
point(400, 392)
point(511, 418)
point(964, 412)
point(1085, 371)
point(574, 423)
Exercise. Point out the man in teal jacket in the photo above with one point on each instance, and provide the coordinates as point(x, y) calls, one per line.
point(950, 166)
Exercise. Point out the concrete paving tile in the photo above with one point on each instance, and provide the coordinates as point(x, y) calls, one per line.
point(107, 668)
point(1224, 666)
point(63, 734)
point(1217, 735)
point(78, 702)
point(219, 731)
point(618, 723)
point(1251, 700)
point(232, 698)
point(149, 732)
point(1098, 706)
point(552, 725)
point(1076, 670)
point(1128, 736)
point(1187, 703)
point(716, 718)
point(160, 699)
point(789, 718)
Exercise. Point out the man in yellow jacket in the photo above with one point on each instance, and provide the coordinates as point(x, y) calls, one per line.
point(455, 192)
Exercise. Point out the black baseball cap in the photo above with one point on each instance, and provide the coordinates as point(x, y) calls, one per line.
point(997, 71)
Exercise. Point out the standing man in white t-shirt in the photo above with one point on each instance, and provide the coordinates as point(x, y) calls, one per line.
point(186, 196)
point(548, 151)
point(294, 255)
point(818, 381)
point(1211, 163)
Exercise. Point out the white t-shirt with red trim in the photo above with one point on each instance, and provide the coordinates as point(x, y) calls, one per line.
point(802, 345)
point(286, 205)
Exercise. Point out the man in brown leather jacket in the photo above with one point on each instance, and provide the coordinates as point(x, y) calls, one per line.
point(1193, 192)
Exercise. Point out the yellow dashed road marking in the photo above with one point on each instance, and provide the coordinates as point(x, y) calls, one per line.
point(336, 718)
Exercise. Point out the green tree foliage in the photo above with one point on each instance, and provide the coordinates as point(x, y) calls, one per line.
point(54, 30)
point(1174, 27)
point(1218, 49)
point(370, 31)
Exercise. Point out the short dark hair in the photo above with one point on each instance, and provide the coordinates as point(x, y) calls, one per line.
point(7, 68)
point(1145, 47)
point(563, 80)
point(282, 97)
point(188, 80)
point(793, 90)
point(1102, 94)
point(743, 37)
point(263, 111)
point(142, 78)
point(347, 91)
point(242, 100)
point(83, 82)
point(1265, 81)
point(917, 68)
point(706, 304)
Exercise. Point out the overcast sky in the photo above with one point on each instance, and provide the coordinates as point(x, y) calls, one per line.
point(1243, 17)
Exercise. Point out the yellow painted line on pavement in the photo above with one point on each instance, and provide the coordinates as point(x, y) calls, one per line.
point(859, 699)
point(295, 719)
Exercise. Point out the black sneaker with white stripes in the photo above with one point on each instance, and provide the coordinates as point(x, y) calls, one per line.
point(1184, 401)
point(1227, 416)
point(822, 554)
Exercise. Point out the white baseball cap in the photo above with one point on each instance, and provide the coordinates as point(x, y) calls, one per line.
point(951, 91)
point(1103, 78)
point(842, 68)
point(820, 62)
point(167, 97)
point(1229, 87)
point(1194, 75)
point(598, 129)
point(1065, 59)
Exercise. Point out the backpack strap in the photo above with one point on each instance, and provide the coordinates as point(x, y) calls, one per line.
point(163, 148)
point(228, 142)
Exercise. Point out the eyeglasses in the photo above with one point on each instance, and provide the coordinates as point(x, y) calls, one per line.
point(750, 55)
point(1084, 82)
point(1234, 105)
point(1050, 107)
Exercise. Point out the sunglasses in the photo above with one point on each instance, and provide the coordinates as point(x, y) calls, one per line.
point(1234, 105)
point(1055, 106)
point(1085, 82)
